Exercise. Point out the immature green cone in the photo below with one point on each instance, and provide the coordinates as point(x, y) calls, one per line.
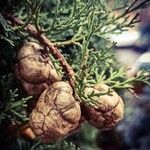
point(56, 114)
point(34, 69)
point(110, 108)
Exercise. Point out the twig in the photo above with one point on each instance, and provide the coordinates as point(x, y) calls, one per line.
point(133, 93)
point(16, 130)
point(69, 42)
point(31, 29)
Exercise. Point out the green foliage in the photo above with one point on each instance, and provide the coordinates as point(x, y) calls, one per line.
point(21, 144)
point(12, 107)
point(81, 29)
point(86, 137)
point(8, 33)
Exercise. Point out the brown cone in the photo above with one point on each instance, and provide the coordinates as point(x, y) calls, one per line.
point(34, 69)
point(56, 114)
point(110, 108)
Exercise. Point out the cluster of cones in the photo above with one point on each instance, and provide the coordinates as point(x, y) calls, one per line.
point(57, 113)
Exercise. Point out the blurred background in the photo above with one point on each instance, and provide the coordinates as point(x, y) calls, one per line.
point(133, 51)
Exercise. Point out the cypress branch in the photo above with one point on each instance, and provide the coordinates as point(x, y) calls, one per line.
point(47, 43)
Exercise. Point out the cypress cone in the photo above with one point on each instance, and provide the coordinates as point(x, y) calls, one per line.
point(56, 114)
point(34, 69)
point(109, 110)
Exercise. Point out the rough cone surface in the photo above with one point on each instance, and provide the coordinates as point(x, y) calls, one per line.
point(56, 114)
point(110, 108)
point(34, 69)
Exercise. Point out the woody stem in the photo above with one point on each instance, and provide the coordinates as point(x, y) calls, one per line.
point(31, 29)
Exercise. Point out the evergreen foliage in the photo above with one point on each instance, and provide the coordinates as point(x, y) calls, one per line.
point(81, 29)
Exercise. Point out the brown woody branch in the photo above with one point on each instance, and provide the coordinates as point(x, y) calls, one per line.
point(31, 29)
point(24, 130)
